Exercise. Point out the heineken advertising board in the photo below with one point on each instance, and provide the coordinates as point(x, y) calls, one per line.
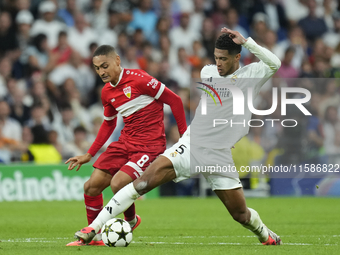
point(29, 182)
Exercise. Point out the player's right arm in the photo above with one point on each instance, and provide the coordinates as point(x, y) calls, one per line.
point(269, 62)
point(105, 131)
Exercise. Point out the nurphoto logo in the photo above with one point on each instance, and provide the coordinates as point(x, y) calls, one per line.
point(238, 104)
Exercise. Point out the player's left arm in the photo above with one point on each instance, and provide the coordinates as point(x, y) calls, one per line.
point(154, 88)
point(175, 102)
point(269, 62)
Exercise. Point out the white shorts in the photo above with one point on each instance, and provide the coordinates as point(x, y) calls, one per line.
point(201, 159)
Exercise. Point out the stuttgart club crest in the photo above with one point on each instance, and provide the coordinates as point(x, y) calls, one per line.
point(127, 92)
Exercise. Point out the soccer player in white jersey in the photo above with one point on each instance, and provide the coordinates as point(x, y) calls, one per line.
point(174, 164)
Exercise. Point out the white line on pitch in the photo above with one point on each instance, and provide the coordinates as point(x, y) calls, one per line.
point(248, 236)
point(48, 240)
point(34, 240)
point(219, 243)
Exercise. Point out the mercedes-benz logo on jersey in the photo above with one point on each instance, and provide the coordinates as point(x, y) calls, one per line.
point(128, 71)
point(212, 89)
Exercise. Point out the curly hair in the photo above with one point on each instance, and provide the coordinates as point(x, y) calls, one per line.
point(104, 50)
point(224, 42)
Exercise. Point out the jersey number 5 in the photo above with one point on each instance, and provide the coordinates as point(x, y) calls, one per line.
point(180, 149)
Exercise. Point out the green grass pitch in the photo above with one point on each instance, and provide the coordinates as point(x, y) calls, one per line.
point(177, 226)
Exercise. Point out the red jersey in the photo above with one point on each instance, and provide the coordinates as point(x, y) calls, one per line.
point(135, 98)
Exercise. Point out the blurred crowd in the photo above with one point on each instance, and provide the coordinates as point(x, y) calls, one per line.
point(50, 107)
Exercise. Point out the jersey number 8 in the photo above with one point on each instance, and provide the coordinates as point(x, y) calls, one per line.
point(143, 160)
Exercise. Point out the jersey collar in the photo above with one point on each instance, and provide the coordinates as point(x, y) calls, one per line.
point(120, 77)
point(232, 73)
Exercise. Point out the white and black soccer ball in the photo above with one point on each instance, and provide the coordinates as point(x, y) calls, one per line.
point(117, 233)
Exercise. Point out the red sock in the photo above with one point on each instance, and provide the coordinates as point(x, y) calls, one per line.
point(130, 213)
point(93, 206)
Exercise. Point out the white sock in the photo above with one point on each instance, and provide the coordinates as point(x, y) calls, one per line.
point(118, 204)
point(97, 237)
point(256, 225)
point(133, 222)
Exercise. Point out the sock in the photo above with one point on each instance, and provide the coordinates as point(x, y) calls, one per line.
point(118, 204)
point(132, 222)
point(93, 206)
point(256, 225)
point(97, 237)
point(130, 213)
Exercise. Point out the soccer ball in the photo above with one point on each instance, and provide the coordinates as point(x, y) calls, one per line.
point(116, 233)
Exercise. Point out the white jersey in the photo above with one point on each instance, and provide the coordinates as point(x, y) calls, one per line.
point(219, 127)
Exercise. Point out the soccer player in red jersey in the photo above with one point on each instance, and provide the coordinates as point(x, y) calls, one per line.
point(139, 98)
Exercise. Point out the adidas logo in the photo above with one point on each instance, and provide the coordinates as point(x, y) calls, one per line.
point(109, 209)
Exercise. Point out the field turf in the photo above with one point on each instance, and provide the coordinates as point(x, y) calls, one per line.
point(177, 226)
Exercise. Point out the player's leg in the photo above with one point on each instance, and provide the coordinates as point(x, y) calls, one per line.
point(93, 189)
point(93, 198)
point(139, 158)
point(120, 180)
point(111, 160)
point(159, 172)
point(235, 203)
point(173, 164)
point(108, 163)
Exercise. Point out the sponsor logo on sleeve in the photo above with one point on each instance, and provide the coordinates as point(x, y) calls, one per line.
point(153, 83)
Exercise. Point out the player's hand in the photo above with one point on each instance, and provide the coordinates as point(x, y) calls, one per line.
point(78, 161)
point(236, 36)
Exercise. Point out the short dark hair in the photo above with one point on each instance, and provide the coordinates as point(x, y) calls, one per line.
point(79, 129)
point(104, 50)
point(224, 42)
point(37, 40)
point(66, 107)
point(40, 135)
point(290, 49)
point(37, 105)
point(62, 33)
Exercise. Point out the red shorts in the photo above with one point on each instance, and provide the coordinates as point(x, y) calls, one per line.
point(129, 158)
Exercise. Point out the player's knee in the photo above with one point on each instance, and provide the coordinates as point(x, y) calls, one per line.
point(86, 187)
point(142, 187)
point(89, 190)
point(240, 217)
point(116, 186)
